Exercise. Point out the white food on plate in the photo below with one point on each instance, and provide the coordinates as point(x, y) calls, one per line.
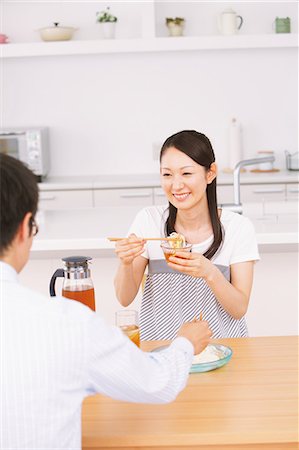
point(209, 354)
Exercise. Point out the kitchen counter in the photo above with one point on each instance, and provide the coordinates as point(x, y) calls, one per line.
point(78, 230)
point(251, 403)
point(153, 180)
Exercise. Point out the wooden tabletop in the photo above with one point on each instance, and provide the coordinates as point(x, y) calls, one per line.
point(249, 404)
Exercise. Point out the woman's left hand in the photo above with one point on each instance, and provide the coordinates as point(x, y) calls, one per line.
point(193, 264)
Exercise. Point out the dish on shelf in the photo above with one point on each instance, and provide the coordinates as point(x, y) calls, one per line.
point(56, 33)
point(211, 358)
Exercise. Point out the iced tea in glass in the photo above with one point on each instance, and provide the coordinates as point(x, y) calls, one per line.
point(127, 321)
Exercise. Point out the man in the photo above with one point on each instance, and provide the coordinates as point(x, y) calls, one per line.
point(57, 352)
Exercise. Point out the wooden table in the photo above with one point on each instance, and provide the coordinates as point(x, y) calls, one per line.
point(251, 403)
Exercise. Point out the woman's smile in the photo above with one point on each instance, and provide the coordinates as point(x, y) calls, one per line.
point(181, 197)
point(183, 180)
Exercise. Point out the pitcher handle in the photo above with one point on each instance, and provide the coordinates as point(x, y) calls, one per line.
point(241, 21)
point(56, 274)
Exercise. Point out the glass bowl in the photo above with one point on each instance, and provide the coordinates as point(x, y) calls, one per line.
point(168, 250)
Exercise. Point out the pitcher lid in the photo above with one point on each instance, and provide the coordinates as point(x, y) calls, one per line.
point(76, 260)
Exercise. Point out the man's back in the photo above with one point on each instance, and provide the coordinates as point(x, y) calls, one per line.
point(44, 364)
point(56, 352)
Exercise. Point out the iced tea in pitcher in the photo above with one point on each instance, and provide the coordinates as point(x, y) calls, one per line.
point(85, 296)
point(77, 283)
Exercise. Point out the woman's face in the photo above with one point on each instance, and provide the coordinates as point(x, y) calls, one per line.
point(182, 179)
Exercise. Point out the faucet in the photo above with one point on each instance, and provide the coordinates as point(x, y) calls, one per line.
point(237, 205)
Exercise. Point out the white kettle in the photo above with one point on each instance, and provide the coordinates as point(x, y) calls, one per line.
point(229, 22)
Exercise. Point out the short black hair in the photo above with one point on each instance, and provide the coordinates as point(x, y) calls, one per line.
point(18, 196)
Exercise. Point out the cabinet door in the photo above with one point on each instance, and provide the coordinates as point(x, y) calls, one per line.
point(159, 197)
point(123, 197)
point(263, 193)
point(50, 200)
point(225, 194)
point(292, 191)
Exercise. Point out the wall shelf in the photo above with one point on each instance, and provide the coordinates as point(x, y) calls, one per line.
point(160, 44)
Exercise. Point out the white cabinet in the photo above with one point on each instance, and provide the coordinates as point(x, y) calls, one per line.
point(225, 194)
point(263, 193)
point(123, 197)
point(74, 199)
point(159, 197)
point(292, 192)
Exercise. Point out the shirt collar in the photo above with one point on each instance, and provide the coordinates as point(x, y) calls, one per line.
point(7, 272)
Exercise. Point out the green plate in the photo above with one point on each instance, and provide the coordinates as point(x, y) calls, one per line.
point(225, 354)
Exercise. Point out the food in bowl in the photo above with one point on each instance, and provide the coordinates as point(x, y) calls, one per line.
point(209, 354)
point(170, 247)
point(179, 240)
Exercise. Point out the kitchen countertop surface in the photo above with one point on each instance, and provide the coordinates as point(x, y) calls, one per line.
point(250, 403)
point(88, 229)
point(153, 180)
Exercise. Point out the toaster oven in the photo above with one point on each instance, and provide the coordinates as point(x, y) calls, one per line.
point(29, 145)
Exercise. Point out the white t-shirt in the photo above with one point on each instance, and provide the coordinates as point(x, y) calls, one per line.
point(239, 243)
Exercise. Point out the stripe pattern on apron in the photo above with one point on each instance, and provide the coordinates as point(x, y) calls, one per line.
point(171, 298)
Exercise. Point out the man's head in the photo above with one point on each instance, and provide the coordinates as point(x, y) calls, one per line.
point(18, 206)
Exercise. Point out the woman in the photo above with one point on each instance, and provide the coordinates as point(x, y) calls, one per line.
point(215, 279)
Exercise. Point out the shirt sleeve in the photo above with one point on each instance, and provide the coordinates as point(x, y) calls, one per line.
point(118, 368)
point(245, 246)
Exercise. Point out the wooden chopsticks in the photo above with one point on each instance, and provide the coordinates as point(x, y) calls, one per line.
point(114, 239)
point(200, 317)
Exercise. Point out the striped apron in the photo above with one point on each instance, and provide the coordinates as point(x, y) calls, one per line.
point(171, 298)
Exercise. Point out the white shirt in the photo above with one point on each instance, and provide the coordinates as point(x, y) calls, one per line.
point(239, 243)
point(55, 352)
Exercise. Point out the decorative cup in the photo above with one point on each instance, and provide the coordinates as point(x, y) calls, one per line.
point(169, 250)
point(282, 25)
point(127, 321)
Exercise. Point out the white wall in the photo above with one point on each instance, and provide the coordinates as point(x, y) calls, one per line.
point(106, 111)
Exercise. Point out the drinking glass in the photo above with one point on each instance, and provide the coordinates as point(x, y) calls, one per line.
point(127, 321)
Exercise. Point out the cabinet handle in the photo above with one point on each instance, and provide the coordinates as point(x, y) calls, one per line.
point(293, 190)
point(269, 191)
point(50, 197)
point(160, 194)
point(136, 195)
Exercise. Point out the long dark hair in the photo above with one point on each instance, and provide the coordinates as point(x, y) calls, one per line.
point(198, 147)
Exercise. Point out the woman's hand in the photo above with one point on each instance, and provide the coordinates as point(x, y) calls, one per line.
point(193, 264)
point(128, 249)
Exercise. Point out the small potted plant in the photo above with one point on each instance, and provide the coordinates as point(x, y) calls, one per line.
point(107, 22)
point(175, 25)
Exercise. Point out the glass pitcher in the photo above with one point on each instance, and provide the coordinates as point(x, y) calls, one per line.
point(77, 283)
